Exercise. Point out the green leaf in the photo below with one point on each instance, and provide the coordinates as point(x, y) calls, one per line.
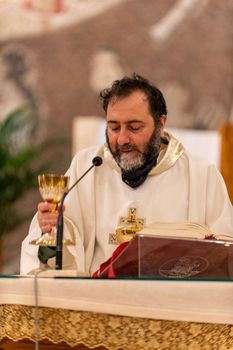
point(20, 165)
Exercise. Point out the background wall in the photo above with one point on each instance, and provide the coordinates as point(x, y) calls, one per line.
point(57, 61)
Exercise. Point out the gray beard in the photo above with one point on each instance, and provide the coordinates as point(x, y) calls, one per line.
point(126, 163)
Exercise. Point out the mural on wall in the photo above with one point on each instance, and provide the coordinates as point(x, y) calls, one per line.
point(183, 46)
point(105, 67)
point(175, 17)
point(19, 88)
point(208, 112)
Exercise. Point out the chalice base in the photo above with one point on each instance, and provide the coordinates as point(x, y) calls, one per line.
point(48, 240)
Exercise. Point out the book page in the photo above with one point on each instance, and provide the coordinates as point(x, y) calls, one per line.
point(185, 229)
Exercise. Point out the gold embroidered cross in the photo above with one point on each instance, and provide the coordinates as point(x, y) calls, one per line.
point(129, 226)
point(131, 219)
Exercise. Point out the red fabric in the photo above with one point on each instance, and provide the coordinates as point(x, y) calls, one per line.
point(108, 263)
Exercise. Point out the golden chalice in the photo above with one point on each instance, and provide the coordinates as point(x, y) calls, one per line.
point(52, 187)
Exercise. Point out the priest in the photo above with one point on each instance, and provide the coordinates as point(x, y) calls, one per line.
point(147, 176)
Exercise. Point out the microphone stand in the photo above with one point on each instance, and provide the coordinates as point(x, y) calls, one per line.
point(60, 223)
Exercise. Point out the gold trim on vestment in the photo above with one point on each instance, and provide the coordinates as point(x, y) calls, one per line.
point(129, 226)
point(167, 158)
point(113, 332)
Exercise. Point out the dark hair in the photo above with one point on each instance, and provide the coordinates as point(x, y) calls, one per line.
point(125, 86)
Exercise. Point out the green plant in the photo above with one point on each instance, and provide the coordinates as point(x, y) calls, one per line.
point(20, 163)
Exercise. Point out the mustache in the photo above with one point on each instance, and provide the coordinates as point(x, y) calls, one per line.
point(127, 147)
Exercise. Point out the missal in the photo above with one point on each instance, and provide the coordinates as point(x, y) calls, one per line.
point(166, 257)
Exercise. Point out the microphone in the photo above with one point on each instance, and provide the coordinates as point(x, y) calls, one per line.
point(96, 161)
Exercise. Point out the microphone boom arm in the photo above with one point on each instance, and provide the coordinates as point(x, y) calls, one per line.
point(97, 161)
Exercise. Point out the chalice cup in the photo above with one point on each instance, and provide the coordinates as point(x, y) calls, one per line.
point(52, 187)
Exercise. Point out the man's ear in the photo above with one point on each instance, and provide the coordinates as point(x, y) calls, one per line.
point(163, 120)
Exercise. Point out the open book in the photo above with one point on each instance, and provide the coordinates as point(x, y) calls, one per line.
point(183, 229)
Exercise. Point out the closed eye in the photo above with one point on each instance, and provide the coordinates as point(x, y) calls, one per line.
point(134, 128)
point(115, 128)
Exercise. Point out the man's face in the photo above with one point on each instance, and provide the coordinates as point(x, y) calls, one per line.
point(131, 132)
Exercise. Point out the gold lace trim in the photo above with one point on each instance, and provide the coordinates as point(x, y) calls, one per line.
point(112, 332)
point(167, 157)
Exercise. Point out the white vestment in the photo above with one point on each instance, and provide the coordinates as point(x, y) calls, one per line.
point(180, 188)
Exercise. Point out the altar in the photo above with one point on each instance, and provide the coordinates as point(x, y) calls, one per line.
point(85, 313)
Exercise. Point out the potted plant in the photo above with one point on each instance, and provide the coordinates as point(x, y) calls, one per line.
point(20, 164)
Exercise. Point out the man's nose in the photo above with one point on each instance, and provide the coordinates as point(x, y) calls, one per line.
point(123, 137)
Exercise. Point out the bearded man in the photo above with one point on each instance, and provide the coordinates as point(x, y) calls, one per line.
point(145, 171)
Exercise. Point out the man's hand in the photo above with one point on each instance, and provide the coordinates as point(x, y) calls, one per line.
point(46, 218)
